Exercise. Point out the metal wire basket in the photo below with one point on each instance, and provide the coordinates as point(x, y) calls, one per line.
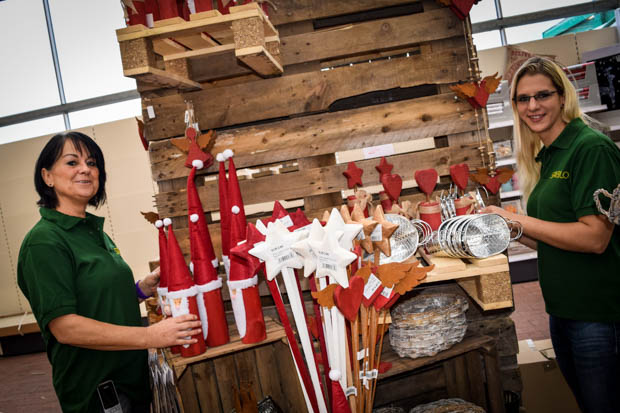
point(427, 324)
point(448, 406)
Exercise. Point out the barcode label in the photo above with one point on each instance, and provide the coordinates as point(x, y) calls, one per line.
point(286, 257)
point(377, 234)
point(371, 286)
point(387, 292)
point(328, 266)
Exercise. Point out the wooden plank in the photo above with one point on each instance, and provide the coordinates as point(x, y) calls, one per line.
point(396, 389)
point(161, 78)
point(302, 93)
point(319, 201)
point(260, 60)
point(310, 182)
point(187, 393)
point(471, 288)
point(476, 379)
point(325, 134)
point(299, 10)
point(206, 386)
point(293, 395)
point(227, 380)
point(462, 386)
point(245, 362)
point(269, 375)
point(370, 36)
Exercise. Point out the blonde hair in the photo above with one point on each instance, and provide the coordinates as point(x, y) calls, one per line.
point(528, 143)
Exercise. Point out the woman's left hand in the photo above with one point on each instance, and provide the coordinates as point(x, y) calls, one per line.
point(149, 284)
point(492, 209)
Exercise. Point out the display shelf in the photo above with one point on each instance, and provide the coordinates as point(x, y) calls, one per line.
point(523, 256)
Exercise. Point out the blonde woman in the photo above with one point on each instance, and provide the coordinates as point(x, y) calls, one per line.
point(561, 162)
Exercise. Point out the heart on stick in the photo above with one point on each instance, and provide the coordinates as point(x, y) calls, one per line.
point(427, 180)
point(460, 175)
point(393, 185)
point(493, 185)
point(348, 300)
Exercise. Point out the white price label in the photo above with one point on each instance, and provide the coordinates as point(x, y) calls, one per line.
point(386, 292)
point(150, 111)
point(287, 221)
point(371, 286)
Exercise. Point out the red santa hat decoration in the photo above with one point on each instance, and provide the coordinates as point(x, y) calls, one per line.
point(182, 292)
point(242, 279)
point(204, 264)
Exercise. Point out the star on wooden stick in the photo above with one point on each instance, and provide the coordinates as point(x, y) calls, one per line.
point(354, 175)
point(384, 167)
point(332, 258)
point(368, 225)
point(242, 250)
point(387, 229)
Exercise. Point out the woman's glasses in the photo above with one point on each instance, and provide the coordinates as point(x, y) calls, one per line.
point(538, 97)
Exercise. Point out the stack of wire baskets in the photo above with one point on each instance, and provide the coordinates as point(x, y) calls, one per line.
point(448, 406)
point(427, 324)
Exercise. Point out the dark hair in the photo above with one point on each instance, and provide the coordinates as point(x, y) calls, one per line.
point(51, 153)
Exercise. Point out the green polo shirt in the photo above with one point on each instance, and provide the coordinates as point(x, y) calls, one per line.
point(577, 286)
point(68, 265)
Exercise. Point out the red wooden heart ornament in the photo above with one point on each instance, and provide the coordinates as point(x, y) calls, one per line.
point(493, 185)
point(426, 179)
point(349, 299)
point(460, 175)
point(393, 185)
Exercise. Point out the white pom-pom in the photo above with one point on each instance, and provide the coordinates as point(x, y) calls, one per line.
point(220, 157)
point(228, 153)
point(167, 222)
point(335, 375)
point(198, 164)
point(235, 209)
point(159, 223)
point(193, 217)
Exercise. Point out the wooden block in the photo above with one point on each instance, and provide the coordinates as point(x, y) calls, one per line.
point(248, 32)
point(131, 29)
point(474, 288)
point(303, 93)
point(161, 78)
point(227, 380)
point(260, 60)
point(137, 53)
point(445, 265)
point(205, 382)
point(179, 67)
point(168, 22)
point(204, 15)
point(495, 287)
point(490, 261)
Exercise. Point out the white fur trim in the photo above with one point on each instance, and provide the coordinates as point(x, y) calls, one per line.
point(235, 209)
point(215, 262)
point(202, 311)
point(188, 292)
point(193, 217)
point(226, 262)
point(167, 222)
point(228, 153)
point(210, 286)
point(159, 223)
point(238, 306)
point(242, 284)
point(220, 157)
point(198, 164)
point(335, 375)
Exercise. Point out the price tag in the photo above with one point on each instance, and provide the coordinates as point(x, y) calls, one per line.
point(350, 391)
point(150, 111)
point(186, 116)
point(387, 292)
point(371, 286)
point(287, 221)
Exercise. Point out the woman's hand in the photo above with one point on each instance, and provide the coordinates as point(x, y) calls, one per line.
point(173, 331)
point(149, 284)
point(492, 209)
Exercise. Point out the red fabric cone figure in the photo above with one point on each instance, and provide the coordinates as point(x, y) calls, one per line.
point(182, 292)
point(168, 9)
point(162, 289)
point(204, 262)
point(339, 400)
point(224, 5)
point(225, 214)
point(135, 12)
point(242, 282)
point(200, 5)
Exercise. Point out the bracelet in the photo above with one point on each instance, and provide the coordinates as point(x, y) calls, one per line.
point(139, 292)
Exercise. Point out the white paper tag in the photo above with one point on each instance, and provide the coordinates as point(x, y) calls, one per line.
point(304, 231)
point(186, 116)
point(287, 221)
point(377, 234)
point(150, 111)
point(350, 391)
point(373, 374)
point(281, 253)
point(386, 292)
point(149, 20)
point(327, 260)
point(261, 227)
point(379, 150)
point(361, 353)
point(371, 286)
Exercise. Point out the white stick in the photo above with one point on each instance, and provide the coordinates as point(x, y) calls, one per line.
point(301, 382)
point(302, 329)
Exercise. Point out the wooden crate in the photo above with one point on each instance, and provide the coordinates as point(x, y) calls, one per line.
point(207, 382)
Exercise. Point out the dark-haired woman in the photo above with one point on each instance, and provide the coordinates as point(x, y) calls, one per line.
point(561, 162)
point(82, 292)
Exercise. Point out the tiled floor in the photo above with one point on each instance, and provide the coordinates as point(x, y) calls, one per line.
point(529, 316)
point(26, 382)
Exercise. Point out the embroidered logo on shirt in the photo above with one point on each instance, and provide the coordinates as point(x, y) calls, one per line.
point(560, 175)
point(116, 250)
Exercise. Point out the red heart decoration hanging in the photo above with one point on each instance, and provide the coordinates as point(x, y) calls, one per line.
point(426, 179)
point(393, 185)
point(460, 175)
point(493, 185)
point(349, 299)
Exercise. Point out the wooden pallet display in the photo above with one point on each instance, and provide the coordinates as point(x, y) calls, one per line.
point(486, 281)
point(246, 33)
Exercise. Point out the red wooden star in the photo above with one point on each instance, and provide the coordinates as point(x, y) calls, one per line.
point(242, 250)
point(354, 175)
point(384, 167)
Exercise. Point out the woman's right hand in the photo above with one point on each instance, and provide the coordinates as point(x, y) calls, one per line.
point(173, 331)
